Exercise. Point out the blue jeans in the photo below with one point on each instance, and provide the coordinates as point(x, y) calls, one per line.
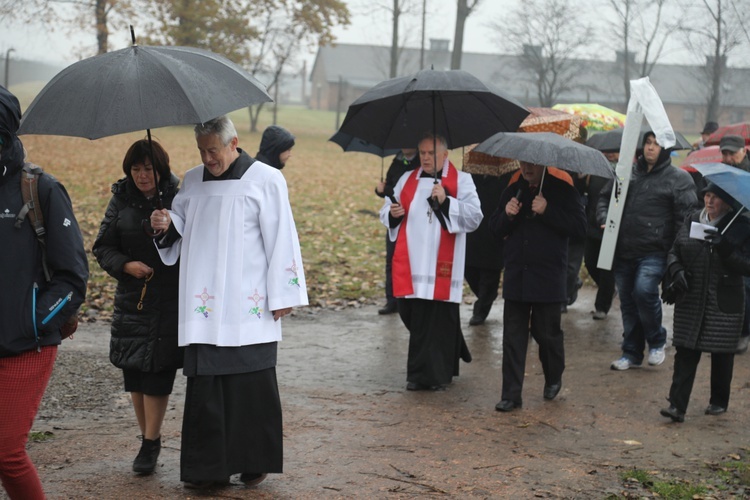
point(640, 303)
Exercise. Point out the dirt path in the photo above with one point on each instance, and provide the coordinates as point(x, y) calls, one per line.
point(351, 430)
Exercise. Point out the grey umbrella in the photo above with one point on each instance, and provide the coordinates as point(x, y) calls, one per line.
point(548, 149)
point(140, 88)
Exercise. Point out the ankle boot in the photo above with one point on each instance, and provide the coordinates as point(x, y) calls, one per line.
point(145, 462)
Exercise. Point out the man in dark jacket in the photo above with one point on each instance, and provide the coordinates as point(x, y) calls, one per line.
point(275, 146)
point(34, 308)
point(536, 219)
point(405, 161)
point(733, 153)
point(658, 200)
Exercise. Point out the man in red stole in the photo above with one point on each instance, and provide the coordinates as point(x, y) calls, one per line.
point(429, 225)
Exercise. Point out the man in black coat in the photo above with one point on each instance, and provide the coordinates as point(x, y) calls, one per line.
point(405, 161)
point(536, 216)
point(275, 146)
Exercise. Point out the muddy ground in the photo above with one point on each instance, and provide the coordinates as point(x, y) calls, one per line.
point(351, 429)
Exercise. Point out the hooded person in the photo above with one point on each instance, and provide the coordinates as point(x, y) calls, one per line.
point(659, 198)
point(34, 309)
point(275, 146)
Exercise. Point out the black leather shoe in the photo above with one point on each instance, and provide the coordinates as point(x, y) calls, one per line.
point(477, 320)
point(252, 479)
point(415, 386)
point(551, 390)
point(715, 410)
point(673, 413)
point(389, 308)
point(507, 405)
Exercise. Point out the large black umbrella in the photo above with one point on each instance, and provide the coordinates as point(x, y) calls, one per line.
point(610, 141)
point(548, 149)
point(140, 88)
point(454, 104)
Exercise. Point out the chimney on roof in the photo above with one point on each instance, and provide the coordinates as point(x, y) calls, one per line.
point(439, 45)
point(532, 51)
point(620, 57)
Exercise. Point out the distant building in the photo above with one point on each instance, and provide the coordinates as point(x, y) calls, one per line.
point(343, 72)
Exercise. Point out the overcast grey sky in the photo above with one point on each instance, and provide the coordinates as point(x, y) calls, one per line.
point(370, 24)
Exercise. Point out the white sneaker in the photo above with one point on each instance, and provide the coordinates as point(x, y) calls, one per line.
point(623, 364)
point(656, 356)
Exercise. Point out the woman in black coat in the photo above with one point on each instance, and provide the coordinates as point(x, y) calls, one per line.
point(144, 325)
point(707, 288)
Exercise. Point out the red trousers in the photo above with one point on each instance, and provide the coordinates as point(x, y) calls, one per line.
point(23, 379)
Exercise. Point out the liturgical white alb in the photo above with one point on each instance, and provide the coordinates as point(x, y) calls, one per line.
point(239, 257)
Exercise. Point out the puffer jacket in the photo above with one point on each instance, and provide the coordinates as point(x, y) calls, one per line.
point(142, 339)
point(708, 317)
point(26, 297)
point(657, 203)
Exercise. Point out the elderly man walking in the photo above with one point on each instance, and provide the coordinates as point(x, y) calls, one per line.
point(232, 228)
point(536, 216)
point(429, 224)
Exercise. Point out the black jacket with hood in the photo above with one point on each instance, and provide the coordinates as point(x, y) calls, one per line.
point(143, 339)
point(657, 203)
point(275, 141)
point(26, 298)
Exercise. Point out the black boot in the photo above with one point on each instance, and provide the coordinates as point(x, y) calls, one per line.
point(145, 462)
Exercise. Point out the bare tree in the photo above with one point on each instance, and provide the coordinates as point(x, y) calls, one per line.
point(715, 31)
point(550, 37)
point(463, 10)
point(640, 29)
point(98, 16)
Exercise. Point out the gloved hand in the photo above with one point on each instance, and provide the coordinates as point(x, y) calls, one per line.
point(719, 243)
point(679, 282)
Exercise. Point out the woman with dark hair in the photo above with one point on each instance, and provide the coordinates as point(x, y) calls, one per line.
point(144, 324)
point(706, 288)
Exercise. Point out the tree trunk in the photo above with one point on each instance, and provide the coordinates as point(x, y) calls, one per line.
point(394, 39)
point(717, 70)
point(102, 32)
point(462, 12)
point(254, 115)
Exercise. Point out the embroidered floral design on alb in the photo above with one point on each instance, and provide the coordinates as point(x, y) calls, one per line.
point(293, 269)
point(205, 297)
point(257, 298)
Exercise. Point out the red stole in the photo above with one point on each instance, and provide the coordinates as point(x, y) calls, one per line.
point(401, 270)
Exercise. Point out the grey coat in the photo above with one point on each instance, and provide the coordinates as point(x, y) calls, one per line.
point(709, 316)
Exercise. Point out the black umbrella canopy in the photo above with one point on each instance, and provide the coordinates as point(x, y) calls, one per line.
point(610, 141)
point(139, 88)
point(548, 149)
point(454, 104)
point(351, 144)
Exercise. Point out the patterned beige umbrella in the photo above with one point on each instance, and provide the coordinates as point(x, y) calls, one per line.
point(540, 120)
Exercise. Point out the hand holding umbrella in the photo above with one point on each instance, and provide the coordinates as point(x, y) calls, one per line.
point(160, 220)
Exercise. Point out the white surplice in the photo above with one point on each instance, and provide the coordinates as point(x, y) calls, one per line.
point(423, 231)
point(239, 257)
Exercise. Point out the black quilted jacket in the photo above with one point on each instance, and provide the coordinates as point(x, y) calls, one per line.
point(144, 339)
point(709, 316)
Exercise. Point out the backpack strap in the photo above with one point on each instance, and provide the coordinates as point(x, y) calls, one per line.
point(32, 208)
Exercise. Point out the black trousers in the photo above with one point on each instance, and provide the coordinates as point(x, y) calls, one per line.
point(390, 247)
point(542, 321)
point(575, 258)
point(685, 366)
point(484, 283)
point(605, 280)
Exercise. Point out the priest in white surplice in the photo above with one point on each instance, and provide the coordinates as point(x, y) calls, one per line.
point(232, 228)
point(429, 225)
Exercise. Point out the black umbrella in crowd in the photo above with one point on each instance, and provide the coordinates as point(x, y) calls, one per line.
point(453, 103)
point(610, 141)
point(351, 144)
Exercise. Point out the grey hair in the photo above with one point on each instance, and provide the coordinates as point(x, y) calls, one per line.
point(437, 137)
point(221, 126)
